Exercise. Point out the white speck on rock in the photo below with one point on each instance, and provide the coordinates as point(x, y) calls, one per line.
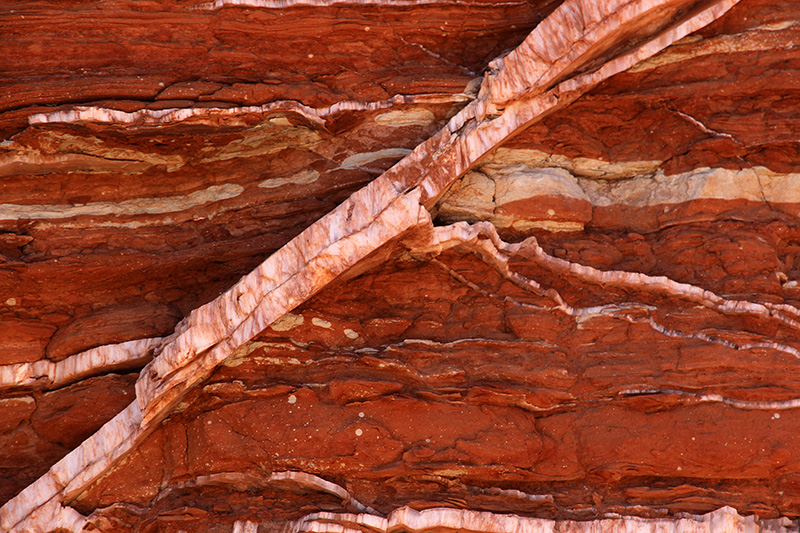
point(321, 323)
point(359, 432)
point(292, 398)
point(13, 301)
point(350, 334)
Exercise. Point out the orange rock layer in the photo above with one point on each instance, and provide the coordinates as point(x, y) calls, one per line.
point(408, 266)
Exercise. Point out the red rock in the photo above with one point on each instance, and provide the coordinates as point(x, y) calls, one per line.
point(625, 356)
point(23, 340)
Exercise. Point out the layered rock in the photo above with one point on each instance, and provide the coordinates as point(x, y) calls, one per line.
point(624, 357)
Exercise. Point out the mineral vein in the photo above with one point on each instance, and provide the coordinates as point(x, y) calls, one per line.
point(513, 96)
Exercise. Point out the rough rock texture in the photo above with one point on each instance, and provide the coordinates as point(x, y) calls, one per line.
point(409, 266)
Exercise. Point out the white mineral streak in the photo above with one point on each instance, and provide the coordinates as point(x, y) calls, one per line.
point(38, 507)
point(656, 284)
point(482, 195)
point(748, 405)
point(242, 481)
point(306, 481)
point(560, 43)
point(53, 516)
point(49, 374)
point(780, 347)
point(311, 481)
point(513, 493)
point(478, 139)
point(725, 519)
point(623, 311)
point(37, 163)
point(580, 167)
point(654, 45)
point(399, 118)
point(512, 175)
point(483, 238)
point(762, 38)
point(301, 178)
point(150, 117)
point(282, 4)
point(758, 184)
point(378, 213)
point(573, 35)
point(357, 160)
point(287, 278)
point(246, 526)
point(519, 81)
point(777, 405)
point(138, 206)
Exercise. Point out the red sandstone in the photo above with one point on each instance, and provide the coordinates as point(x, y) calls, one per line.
point(353, 266)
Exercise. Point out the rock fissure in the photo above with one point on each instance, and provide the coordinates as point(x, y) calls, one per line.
point(705, 128)
point(616, 310)
point(152, 118)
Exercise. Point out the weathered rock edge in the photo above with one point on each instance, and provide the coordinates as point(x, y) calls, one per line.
point(448, 519)
point(444, 519)
point(578, 32)
point(209, 115)
point(46, 374)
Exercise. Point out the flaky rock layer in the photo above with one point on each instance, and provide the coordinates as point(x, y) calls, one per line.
point(558, 297)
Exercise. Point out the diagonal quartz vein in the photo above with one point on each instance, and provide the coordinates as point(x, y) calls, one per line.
point(386, 209)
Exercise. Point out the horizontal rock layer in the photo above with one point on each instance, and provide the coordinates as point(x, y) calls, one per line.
point(375, 383)
point(629, 360)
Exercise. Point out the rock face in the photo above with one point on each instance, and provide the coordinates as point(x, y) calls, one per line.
point(400, 266)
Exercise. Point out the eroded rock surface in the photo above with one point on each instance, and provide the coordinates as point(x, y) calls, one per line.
point(347, 266)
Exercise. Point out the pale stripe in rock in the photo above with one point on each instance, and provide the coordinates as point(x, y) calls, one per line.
point(245, 527)
point(756, 184)
point(446, 520)
point(134, 207)
point(49, 374)
point(757, 39)
point(370, 218)
point(356, 160)
point(150, 117)
point(282, 4)
point(404, 118)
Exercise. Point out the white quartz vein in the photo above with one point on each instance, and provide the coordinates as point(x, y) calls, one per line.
point(384, 210)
